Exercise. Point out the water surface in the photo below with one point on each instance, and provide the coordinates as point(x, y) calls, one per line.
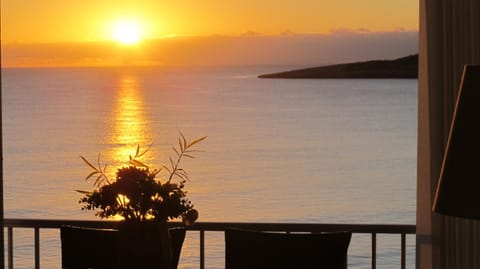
point(317, 151)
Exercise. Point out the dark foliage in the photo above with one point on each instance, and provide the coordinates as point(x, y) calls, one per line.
point(137, 195)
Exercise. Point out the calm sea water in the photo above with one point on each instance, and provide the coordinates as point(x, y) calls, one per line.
point(317, 151)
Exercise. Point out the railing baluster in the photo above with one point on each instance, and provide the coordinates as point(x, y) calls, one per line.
point(374, 250)
point(373, 230)
point(37, 248)
point(10, 247)
point(202, 249)
point(403, 254)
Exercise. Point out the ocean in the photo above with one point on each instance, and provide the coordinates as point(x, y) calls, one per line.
point(312, 150)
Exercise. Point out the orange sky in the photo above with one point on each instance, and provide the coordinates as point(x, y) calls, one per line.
point(47, 21)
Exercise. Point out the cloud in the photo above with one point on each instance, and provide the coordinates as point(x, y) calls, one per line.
point(287, 32)
point(348, 31)
point(250, 33)
point(289, 48)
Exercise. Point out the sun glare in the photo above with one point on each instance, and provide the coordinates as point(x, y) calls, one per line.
point(127, 32)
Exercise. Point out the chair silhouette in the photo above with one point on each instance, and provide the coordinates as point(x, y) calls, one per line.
point(268, 250)
point(84, 248)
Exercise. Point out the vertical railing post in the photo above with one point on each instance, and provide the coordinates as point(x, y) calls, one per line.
point(37, 248)
point(10, 247)
point(403, 254)
point(202, 249)
point(374, 250)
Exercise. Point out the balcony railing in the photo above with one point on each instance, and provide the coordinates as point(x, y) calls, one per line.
point(202, 227)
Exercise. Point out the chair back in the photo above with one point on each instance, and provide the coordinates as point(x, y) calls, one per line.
point(84, 248)
point(268, 250)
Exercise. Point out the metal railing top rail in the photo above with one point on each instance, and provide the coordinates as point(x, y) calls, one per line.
point(220, 226)
point(202, 227)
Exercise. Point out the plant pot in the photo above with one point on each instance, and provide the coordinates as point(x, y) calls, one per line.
point(149, 245)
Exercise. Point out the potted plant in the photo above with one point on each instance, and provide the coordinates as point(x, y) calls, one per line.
point(145, 203)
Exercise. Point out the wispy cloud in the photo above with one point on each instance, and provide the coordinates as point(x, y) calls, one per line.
point(251, 48)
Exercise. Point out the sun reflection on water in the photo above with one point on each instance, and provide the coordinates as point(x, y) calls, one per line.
point(130, 126)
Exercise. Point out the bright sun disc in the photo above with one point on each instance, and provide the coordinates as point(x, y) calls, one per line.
point(126, 32)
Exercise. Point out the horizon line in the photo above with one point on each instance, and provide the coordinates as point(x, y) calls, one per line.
point(246, 34)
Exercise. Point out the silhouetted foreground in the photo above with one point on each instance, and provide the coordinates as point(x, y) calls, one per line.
point(267, 250)
point(404, 233)
point(406, 67)
point(84, 248)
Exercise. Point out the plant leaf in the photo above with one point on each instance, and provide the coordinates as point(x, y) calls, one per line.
point(193, 150)
point(172, 163)
point(180, 144)
point(166, 168)
point(184, 141)
point(198, 140)
point(179, 175)
point(88, 163)
point(176, 151)
point(156, 171)
point(84, 192)
point(98, 160)
point(91, 174)
point(138, 163)
point(145, 151)
point(98, 181)
point(182, 173)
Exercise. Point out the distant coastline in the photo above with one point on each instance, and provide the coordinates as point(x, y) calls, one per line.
point(405, 67)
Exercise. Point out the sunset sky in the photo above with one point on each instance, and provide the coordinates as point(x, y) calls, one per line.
point(51, 21)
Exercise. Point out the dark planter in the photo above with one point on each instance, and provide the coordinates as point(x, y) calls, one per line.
point(140, 245)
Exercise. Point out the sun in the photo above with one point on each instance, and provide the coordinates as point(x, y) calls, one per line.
point(127, 32)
